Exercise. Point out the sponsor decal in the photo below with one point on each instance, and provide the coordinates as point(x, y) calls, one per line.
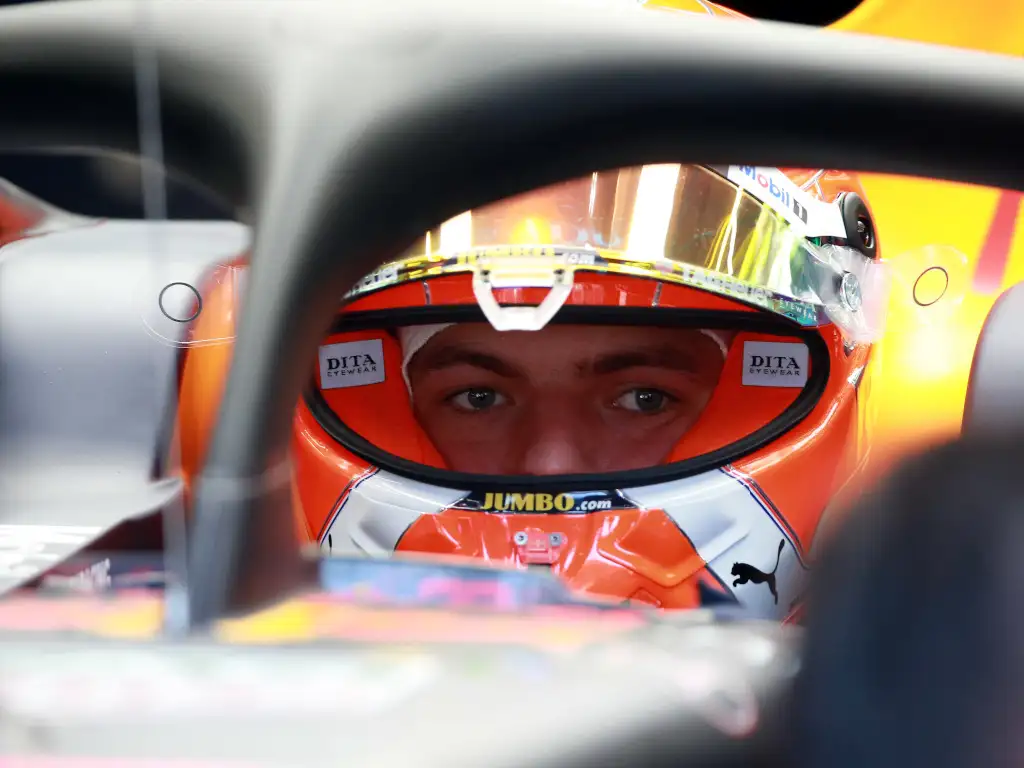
point(805, 314)
point(800, 208)
point(718, 283)
point(381, 278)
point(724, 285)
point(581, 259)
point(772, 187)
point(774, 364)
point(557, 503)
point(351, 364)
point(746, 573)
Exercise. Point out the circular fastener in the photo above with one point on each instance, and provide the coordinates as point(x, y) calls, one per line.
point(521, 538)
point(556, 539)
point(865, 232)
point(849, 292)
point(180, 302)
point(930, 286)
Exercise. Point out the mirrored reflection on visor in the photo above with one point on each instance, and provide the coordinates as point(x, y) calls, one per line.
point(781, 249)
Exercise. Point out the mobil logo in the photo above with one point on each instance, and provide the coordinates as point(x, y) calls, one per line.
point(773, 185)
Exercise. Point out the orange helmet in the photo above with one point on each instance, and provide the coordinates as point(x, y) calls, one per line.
point(644, 379)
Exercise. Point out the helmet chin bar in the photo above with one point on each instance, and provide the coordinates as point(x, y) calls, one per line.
point(521, 273)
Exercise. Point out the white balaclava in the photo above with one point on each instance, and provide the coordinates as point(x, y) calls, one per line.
point(413, 338)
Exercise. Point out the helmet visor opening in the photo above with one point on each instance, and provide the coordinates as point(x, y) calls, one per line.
point(579, 398)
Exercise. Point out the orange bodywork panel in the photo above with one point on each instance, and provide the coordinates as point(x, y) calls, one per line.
point(920, 369)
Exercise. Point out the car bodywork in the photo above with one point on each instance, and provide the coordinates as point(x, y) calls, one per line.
point(90, 367)
point(920, 370)
point(318, 682)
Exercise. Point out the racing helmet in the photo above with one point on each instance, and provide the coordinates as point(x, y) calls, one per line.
point(696, 335)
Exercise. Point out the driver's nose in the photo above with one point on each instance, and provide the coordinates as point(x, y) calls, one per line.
point(551, 441)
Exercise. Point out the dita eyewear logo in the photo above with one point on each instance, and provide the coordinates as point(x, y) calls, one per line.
point(774, 364)
point(351, 364)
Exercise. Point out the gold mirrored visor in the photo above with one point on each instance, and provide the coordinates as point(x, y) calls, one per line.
point(684, 224)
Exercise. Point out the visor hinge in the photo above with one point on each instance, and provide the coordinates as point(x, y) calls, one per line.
point(554, 274)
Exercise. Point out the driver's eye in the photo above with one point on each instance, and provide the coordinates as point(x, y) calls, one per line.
point(643, 400)
point(477, 399)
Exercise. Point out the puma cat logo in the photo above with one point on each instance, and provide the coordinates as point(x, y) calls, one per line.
point(744, 573)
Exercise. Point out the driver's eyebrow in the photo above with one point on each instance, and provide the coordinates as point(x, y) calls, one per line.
point(666, 357)
point(449, 357)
